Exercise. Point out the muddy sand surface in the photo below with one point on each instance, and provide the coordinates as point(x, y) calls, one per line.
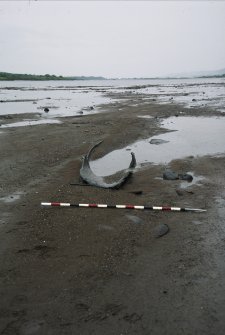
point(103, 271)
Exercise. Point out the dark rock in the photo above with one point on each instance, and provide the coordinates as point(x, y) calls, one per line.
point(46, 110)
point(170, 175)
point(157, 141)
point(185, 176)
point(138, 192)
point(90, 108)
point(160, 230)
point(194, 100)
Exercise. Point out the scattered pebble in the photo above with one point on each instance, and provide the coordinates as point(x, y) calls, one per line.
point(185, 176)
point(160, 230)
point(137, 192)
point(158, 141)
point(170, 175)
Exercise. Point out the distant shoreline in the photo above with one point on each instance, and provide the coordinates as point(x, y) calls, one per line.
point(6, 76)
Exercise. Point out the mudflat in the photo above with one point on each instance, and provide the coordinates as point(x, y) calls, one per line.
point(104, 271)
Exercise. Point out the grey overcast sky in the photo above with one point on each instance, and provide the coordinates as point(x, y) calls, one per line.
point(111, 38)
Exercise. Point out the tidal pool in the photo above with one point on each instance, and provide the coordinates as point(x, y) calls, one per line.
point(29, 123)
point(188, 136)
point(12, 197)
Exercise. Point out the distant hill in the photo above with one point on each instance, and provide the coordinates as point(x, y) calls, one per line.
point(199, 74)
point(18, 76)
point(84, 78)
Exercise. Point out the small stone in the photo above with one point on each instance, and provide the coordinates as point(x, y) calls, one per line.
point(46, 110)
point(137, 192)
point(157, 141)
point(185, 176)
point(170, 175)
point(160, 230)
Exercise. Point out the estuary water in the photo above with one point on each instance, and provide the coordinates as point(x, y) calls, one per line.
point(196, 136)
point(82, 97)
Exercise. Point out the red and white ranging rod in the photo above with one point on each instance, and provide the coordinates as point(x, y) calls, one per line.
point(153, 208)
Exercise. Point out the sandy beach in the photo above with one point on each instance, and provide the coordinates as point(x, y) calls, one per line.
point(103, 271)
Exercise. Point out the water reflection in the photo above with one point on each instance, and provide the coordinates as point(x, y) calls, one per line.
point(29, 123)
point(189, 136)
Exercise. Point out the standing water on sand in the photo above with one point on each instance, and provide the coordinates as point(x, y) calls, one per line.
point(81, 97)
point(188, 136)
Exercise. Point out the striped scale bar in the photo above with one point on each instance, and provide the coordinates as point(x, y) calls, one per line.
point(153, 208)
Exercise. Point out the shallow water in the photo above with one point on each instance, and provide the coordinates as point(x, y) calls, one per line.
point(188, 136)
point(12, 197)
point(29, 123)
point(60, 101)
point(69, 98)
point(195, 94)
point(185, 184)
point(196, 181)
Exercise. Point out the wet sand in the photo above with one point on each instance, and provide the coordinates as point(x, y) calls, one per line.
point(101, 271)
